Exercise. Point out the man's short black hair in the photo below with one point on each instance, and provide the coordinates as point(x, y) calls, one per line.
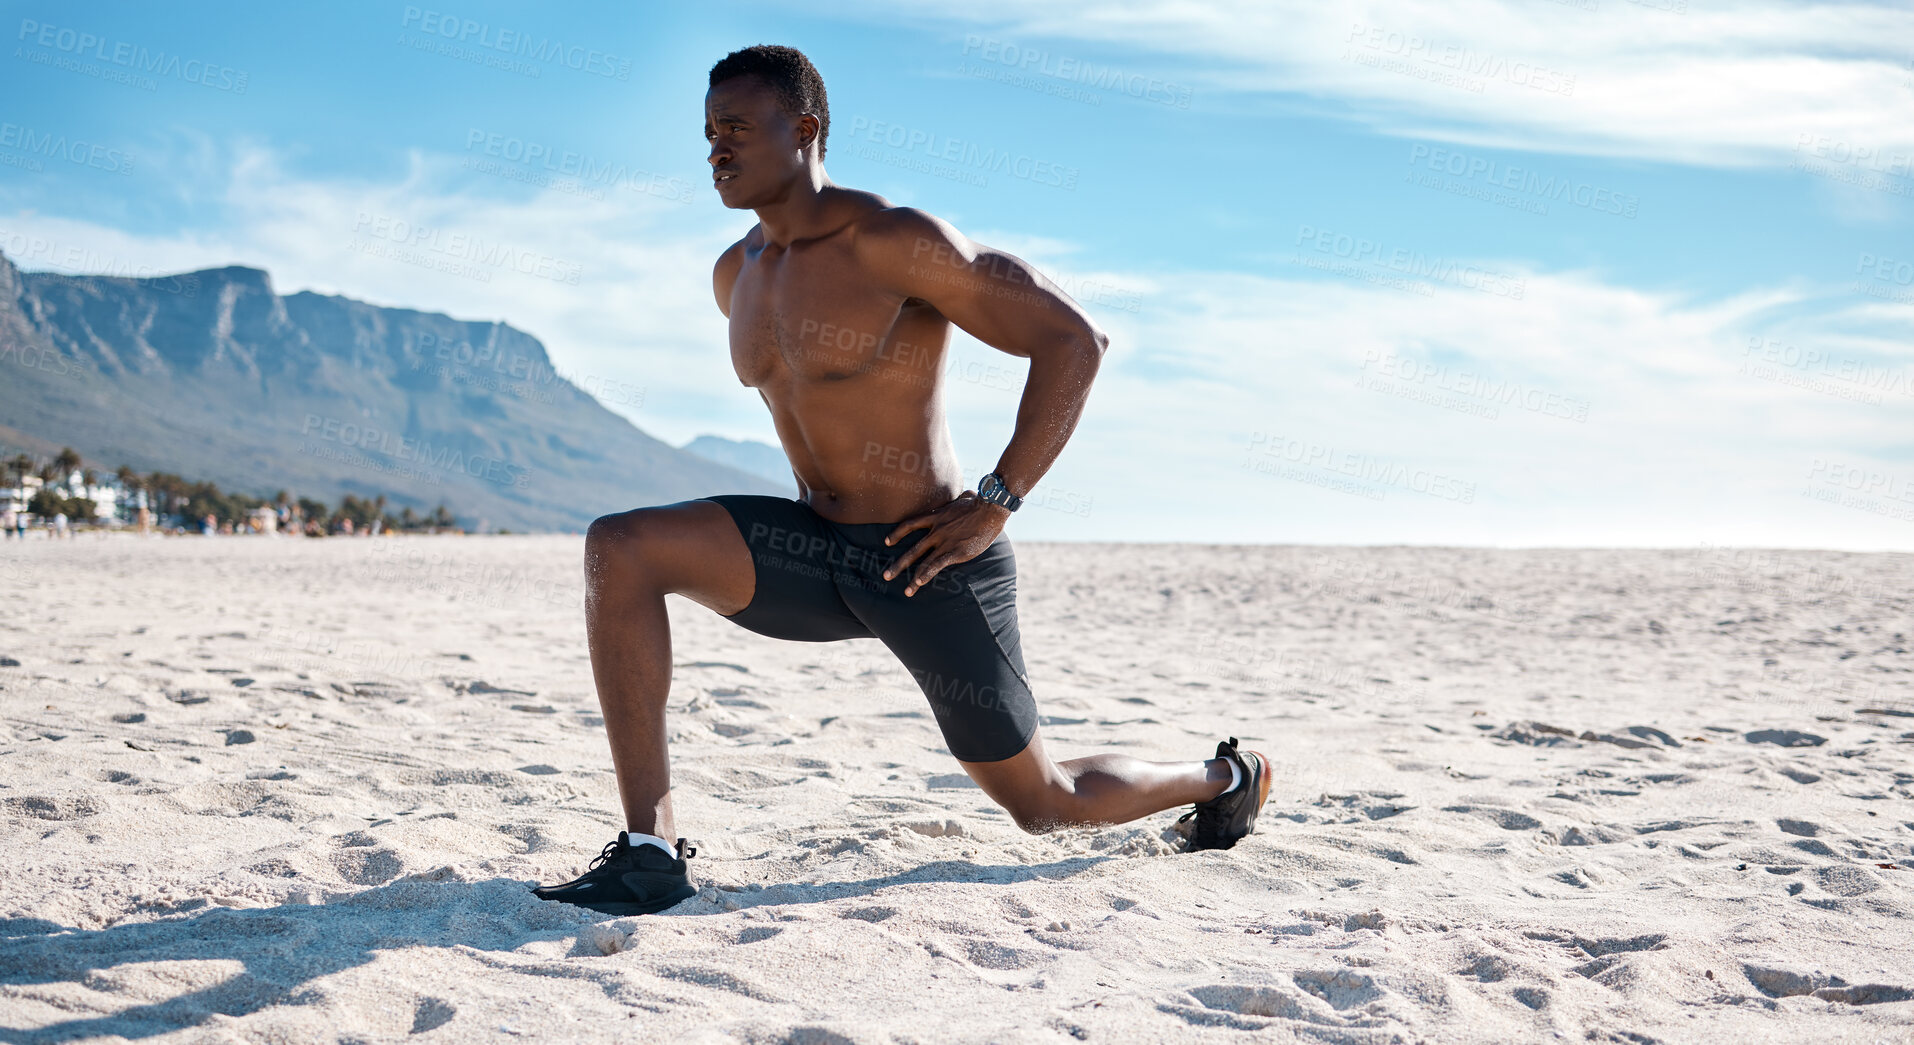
point(789, 74)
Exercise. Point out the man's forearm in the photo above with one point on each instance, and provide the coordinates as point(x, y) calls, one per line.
point(1054, 394)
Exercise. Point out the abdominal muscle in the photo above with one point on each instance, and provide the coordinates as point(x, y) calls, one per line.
point(852, 466)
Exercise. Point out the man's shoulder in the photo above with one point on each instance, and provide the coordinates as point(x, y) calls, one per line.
point(888, 232)
point(885, 219)
point(731, 259)
point(724, 274)
point(736, 250)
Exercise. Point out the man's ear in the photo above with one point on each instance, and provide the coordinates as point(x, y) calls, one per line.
point(808, 126)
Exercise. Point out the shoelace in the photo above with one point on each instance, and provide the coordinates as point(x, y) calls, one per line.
point(685, 852)
point(611, 850)
point(1208, 819)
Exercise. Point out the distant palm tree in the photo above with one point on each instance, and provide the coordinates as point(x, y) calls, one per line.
point(67, 461)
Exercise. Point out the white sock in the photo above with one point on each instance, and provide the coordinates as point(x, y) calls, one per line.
point(634, 838)
point(1235, 776)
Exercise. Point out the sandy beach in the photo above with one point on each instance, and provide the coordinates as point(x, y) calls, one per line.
point(295, 790)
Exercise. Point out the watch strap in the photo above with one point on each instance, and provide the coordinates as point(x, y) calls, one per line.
point(991, 488)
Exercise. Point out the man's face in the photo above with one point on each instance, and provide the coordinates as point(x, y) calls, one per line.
point(756, 150)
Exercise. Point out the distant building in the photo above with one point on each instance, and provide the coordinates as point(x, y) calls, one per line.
point(106, 495)
point(16, 497)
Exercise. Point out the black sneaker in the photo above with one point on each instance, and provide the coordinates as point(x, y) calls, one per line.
point(628, 879)
point(1222, 821)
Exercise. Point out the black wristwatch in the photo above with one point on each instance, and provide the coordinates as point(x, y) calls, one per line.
point(991, 488)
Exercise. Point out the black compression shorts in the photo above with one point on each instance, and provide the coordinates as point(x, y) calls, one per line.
point(819, 581)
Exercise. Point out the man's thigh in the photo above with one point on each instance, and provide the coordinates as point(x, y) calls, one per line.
point(798, 560)
point(958, 638)
point(689, 548)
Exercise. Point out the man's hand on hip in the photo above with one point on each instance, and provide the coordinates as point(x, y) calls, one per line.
point(959, 532)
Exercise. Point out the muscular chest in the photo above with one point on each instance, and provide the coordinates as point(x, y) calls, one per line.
point(802, 315)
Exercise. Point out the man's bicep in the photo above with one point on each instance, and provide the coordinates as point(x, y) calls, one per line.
point(993, 295)
point(1006, 304)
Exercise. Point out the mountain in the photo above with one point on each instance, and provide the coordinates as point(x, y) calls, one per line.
point(746, 455)
point(212, 375)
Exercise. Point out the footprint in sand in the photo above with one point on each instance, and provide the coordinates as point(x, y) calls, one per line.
point(1367, 805)
point(1784, 738)
point(1506, 819)
point(1786, 983)
point(1341, 988)
point(1267, 1002)
point(482, 686)
point(431, 1014)
point(1604, 946)
point(361, 866)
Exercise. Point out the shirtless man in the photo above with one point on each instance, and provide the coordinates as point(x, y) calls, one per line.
point(841, 307)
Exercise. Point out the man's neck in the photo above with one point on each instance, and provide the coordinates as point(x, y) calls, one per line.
point(801, 214)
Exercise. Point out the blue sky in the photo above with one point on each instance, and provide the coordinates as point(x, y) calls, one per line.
point(1491, 273)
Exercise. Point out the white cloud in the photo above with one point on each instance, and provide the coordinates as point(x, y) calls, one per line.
point(1658, 79)
point(1703, 417)
point(640, 312)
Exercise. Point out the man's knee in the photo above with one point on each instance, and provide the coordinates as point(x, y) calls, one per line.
point(1033, 825)
point(1035, 816)
point(614, 543)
